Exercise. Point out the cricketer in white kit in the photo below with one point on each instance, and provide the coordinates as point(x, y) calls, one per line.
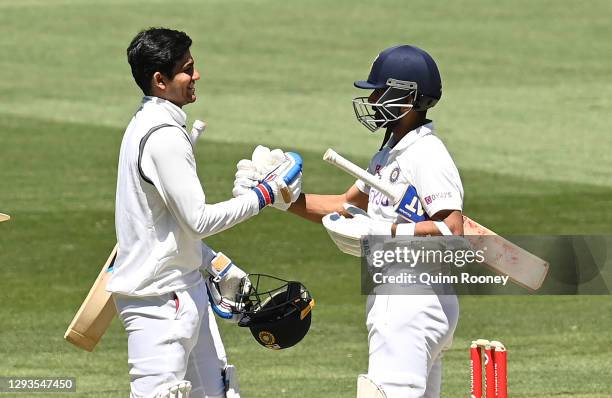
point(174, 346)
point(406, 333)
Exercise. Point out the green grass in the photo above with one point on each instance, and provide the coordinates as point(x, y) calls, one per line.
point(525, 114)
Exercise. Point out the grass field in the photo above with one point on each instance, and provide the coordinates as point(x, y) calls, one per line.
point(525, 113)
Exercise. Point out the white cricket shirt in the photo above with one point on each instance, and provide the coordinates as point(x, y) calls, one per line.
point(161, 213)
point(419, 159)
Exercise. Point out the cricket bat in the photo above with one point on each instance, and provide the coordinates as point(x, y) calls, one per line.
point(96, 313)
point(501, 255)
point(4, 217)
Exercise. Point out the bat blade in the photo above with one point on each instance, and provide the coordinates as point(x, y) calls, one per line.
point(504, 257)
point(96, 312)
point(501, 255)
point(4, 217)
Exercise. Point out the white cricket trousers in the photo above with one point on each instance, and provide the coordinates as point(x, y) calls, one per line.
point(406, 336)
point(173, 337)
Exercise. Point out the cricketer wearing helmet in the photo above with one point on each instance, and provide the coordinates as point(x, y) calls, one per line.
point(406, 333)
point(162, 299)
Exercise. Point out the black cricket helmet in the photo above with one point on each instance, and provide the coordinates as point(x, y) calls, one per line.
point(278, 312)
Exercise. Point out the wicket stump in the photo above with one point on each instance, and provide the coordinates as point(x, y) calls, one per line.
point(496, 371)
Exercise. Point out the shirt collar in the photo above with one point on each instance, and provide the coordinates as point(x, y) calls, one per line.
point(177, 113)
point(410, 138)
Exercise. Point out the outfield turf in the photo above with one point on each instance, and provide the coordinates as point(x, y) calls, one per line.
point(525, 113)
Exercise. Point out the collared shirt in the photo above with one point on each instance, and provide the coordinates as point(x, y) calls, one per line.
point(161, 213)
point(421, 160)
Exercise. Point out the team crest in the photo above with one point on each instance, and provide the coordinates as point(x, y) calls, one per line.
point(267, 338)
point(394, 174)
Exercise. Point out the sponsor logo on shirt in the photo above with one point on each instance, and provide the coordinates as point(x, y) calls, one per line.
point(378, 198)
point(440, 195)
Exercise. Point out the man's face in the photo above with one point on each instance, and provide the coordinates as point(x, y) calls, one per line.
point(180, 90)
point(376, 94)
point(372, 99)
point(394, 125)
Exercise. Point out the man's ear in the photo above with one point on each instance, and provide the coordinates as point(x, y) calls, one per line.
point(159, 81)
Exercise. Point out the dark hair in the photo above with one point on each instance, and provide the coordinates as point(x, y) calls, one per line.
point(156, 50)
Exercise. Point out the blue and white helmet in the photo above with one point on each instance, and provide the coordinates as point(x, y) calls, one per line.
point(412, 80)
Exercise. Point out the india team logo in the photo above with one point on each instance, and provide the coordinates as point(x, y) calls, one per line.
point(394, 174)
point(266, 337)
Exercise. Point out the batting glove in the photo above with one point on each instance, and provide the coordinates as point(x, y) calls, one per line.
point(283, 184)
point(247, 177)
point(353, 234)
point(262, 168)
point(227, 284)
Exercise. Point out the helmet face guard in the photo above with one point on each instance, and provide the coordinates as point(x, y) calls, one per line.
point(389, 107)
point(278, 312)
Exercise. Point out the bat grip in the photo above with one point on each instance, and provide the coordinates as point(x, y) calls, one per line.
point(351, 168)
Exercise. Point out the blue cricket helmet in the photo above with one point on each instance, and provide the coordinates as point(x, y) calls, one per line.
point(412, 81)
point(406, 63)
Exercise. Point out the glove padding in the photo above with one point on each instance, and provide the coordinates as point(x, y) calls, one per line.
point(266, 160)
point(270, 173)
point(226, 285)
point(359, 235)
point(351, 234)
point(247, 177)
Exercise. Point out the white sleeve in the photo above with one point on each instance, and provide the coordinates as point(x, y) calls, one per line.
point(437, 182)
point(168, 161)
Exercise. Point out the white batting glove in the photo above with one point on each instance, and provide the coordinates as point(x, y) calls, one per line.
point(250, 172)
point(352, 234)
point(374, 227)
point(265, 161)
point(276, 158)
point(267, 171)
point(282, 185)
point(247, 177)
point(295, 188)
point(226, 285)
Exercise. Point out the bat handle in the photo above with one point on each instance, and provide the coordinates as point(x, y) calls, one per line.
point(330, 156)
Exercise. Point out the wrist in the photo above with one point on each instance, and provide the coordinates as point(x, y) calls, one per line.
point(265, 194)
point(405, 229)
point(252, 200)
point(381, 228)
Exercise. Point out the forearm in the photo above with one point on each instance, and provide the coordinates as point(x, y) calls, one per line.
point(210, 219)
point(169, 163)
point(314, 207)
point(425, 228)
point(453, 220)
